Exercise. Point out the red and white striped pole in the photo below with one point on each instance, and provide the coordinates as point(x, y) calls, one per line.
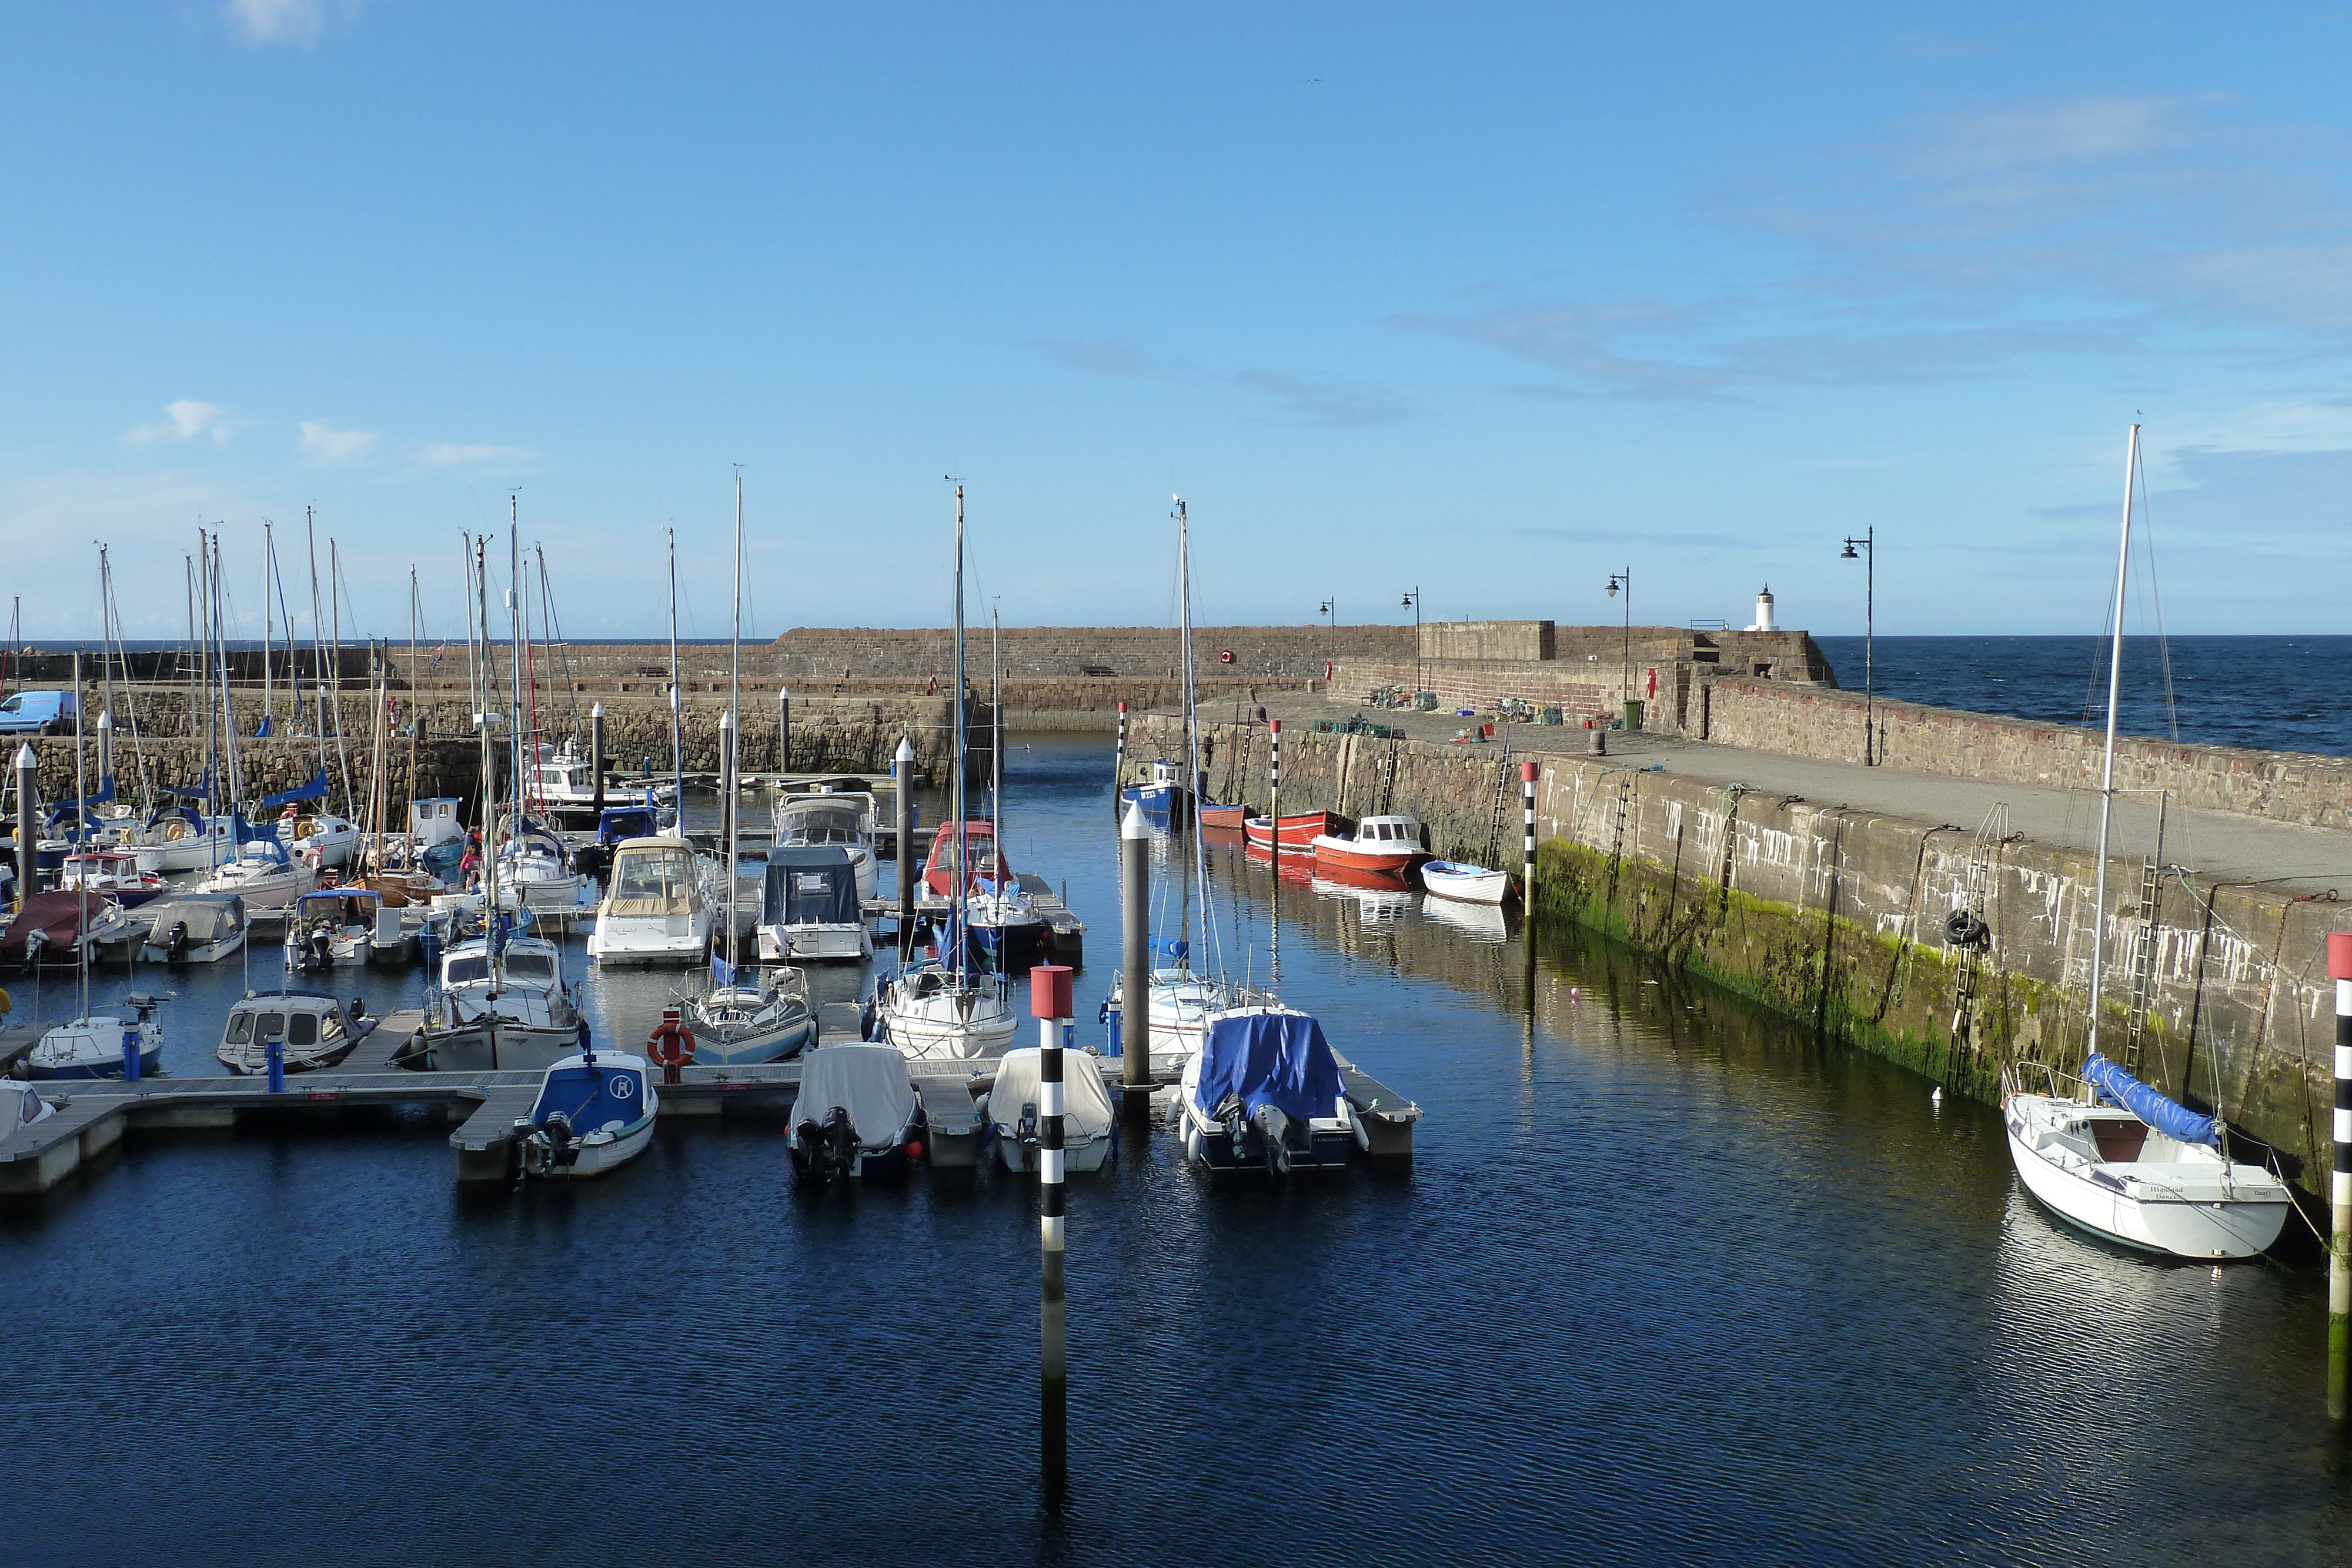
point(1527, 771)
point(1049, 1000)
point(2339, 1190)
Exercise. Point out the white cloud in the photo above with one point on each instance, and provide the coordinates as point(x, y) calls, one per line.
point(322, 445)
point(276, 21)
point(185, 420)
point(452, 453)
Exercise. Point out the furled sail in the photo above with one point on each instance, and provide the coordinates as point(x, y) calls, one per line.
point(2174, 1121)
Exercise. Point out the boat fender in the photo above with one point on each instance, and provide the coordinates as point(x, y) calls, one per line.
point(1195, 1145)
point(1356, 1125)
point(1964, 928)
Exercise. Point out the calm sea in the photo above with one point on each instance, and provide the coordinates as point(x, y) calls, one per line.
point(2273, 694)
point(1670, 1282)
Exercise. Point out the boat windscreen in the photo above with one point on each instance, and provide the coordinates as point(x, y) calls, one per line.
point(656, 880)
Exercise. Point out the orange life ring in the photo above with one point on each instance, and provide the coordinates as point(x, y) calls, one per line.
point(671, 1044)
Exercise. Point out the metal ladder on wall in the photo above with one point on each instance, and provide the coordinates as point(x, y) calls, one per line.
point(2143, 969)
point(1976, 895)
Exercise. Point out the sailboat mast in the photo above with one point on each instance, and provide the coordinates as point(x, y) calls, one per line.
point(414, 618)
point(514, 656)
point(996, 750)
point(81, 844)
point(106, 628)
point(317, 624)
point(489, 784)
point(731, 770)
point(335, 618)
point(234, 775)
point(957, 909)
point(2107, 765)
point(1191, 730)
point(676, 715)
point(188, 566)
point(268, 627)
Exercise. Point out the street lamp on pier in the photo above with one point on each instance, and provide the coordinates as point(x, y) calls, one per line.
point(1330, 613)
point(1420, 674)
point(1624, 580)
point(1869, 557)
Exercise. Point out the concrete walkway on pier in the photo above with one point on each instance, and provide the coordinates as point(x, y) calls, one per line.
point(2217, 846)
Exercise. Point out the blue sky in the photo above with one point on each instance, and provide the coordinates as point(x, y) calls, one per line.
point(1487, 300)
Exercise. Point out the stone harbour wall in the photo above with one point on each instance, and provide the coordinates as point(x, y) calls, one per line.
point(1838, 918)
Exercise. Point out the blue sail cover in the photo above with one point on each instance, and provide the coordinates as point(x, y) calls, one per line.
point(2174, 1121)
point(316, 789)
point(245, 832)
point(198, 791)
point(1268, 1059)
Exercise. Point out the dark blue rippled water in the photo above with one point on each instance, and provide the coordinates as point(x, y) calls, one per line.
point(1669, 1282)
point(2273, 694)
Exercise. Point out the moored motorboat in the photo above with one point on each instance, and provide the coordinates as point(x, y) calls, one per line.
point(1217, 818)
point(21, 1105)
point(314, 1032)
point(1088, 1128)
point(1464, 883)
point(1161, 794)
point(1266, 1095)
point(653, 911)
point(1390, 842)
point(115, 873)
point(809, 906)
point(193, 928)
point(856, 1115)
point(1299, 829)
point(499, 1010)
point(335, 926)
point(58, 928)
point(595, 1111)
point(832, 819)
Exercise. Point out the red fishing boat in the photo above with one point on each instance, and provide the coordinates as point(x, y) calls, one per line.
point(939, 872)
point(1227, 817)
point(1298, 832)
point(1390, 844)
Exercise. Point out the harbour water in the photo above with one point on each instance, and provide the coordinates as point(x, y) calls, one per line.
point(1670, 1281)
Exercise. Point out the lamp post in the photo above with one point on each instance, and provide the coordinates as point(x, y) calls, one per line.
point(1624, 580)
point(1420, 675)
point(1869, 543)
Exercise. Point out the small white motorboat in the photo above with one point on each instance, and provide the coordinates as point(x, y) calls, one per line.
point(809, 907)
point(21, 1105)
point(314, 1032)
point(856, 1115)
point(331, 926)
point(193, 928)
point(1183, 1001)
point(179, 837)
point(653, 911)
point(1088, 1122)
point(832, 819)
point(331, 840)
point(98, 1047)
point(1266, 1095)
point(595, 1111)
point(1464, 883)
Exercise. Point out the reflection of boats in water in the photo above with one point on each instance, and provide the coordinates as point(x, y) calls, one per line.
point(1379, 901)
point(1479, 922)
point(1297, 865)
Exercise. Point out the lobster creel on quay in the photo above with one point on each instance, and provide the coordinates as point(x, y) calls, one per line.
point(1939, 916)
point(89, 1119)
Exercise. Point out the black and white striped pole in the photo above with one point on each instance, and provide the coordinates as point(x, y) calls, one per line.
point(2340, 1193)
point(1119, 765)
point(1528, 772)
point(1273, 849)
point(1049, 1000)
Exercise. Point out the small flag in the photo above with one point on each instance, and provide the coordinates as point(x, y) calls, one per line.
point(722, 973)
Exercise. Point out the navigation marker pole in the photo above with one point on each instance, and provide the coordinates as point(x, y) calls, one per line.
point(1119, 768)
point(1528, 772)
point(1049, 1000)
point(2339, 1243)
point(1273, 851)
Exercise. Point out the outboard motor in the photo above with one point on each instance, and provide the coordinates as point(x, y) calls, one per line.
point(175, 943)
point(550, 1146)
point(822, 1150)
point(1272, 1125)
point(1024, 1131)
point(1229, 1116)
point(322, 945)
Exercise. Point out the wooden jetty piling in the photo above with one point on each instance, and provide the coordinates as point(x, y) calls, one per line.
point(1135, 978)
point(1049, 1000)
point(2339, 1241)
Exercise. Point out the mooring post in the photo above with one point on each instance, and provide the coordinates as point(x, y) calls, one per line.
point(131, 1055)
point(784, 729)
point(1135, 964)
point(902, 768)
point(28, 791)
point(105, 748)
point(1119, 766)
point(596, 756)
point(2339, 1241)
point(727, 788)
point(1049, 1000)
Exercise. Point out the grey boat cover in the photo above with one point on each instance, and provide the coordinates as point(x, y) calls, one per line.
point(1085, 1102)
point(210, 916)
point(810, 887)
point(869, 1082)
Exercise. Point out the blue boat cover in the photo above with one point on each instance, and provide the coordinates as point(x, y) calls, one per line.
point(201, 790)
point(618, 822)
point(245, 832)
point(316, 789)
point(58, 813)
point(2174, 1121)
point(594, 1097)
point(811, 885)
point(1268, 1059)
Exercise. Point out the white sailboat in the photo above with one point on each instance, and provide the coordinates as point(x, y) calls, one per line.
point(939, 1009)
point(2102, 1150)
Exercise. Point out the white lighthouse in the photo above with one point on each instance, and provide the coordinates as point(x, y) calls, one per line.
point(1764, 611)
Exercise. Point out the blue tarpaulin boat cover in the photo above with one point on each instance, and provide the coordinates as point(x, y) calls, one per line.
point(1269, 1058)
point(2174, 1121)
point(316, 789)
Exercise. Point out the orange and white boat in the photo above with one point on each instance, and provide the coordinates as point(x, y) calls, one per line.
point(1390, 844)
point(1299, 832)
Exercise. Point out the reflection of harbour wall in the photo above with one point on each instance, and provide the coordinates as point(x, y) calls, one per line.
point(1838, 918)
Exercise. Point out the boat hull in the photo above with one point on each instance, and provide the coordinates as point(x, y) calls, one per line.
point(1078, 1158)
point(842, 944)
point(1465, 885)
point(651, 939)
point(1299, 832)
point(2199, 1230)
point(599, 1153)
point(517, 1048)
point(1222, 817)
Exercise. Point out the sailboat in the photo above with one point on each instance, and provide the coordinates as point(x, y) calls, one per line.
point(939, 1009)
point(95, 1047)
point(1003, 917)
point(2104, 1152)
point(770, 1018)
